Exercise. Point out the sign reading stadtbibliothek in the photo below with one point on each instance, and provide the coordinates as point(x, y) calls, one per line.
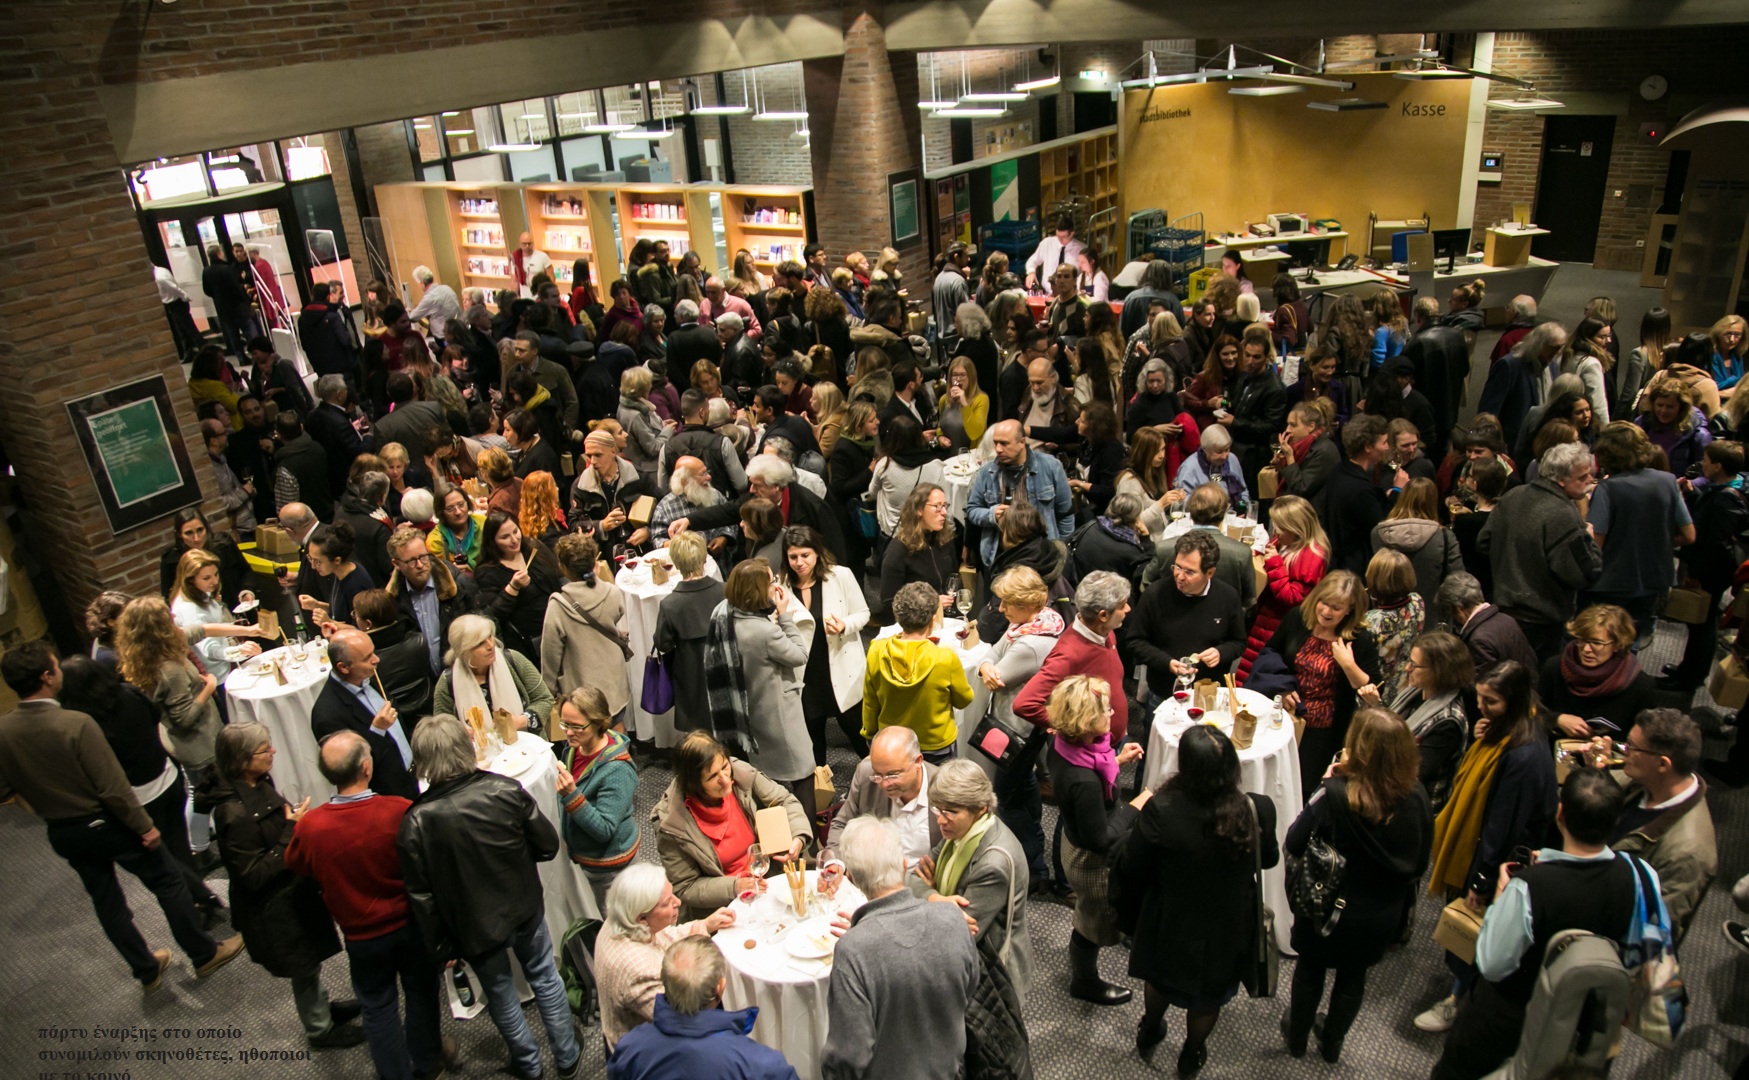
point(135, 452)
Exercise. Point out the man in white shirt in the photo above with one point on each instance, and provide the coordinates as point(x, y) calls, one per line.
point(893, 782)
point(1052, 252)
point(526, 263)
point(175, 301)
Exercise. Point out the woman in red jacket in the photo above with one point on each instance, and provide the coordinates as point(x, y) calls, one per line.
point(1295, 560)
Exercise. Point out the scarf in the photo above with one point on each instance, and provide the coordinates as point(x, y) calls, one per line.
point(1458, 828)
point(459, 545)
point(1096, 755)
point(726, 826)
point(1302, 447)
point(1605, 680)
point(1125, 533)
point(725, 683)
point(1046, 622)
point(956, 855)
point(1425, 709)
point(499, 684)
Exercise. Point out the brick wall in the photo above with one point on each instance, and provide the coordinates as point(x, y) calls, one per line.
point(1699, 64)
point(764, 152)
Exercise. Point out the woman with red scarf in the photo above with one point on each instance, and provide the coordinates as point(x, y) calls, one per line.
point(1596, 675)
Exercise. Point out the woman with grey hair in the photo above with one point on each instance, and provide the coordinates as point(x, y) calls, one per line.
point(1113, 541)
point(482, 674)
point(977, 343)
point(978, 866)
point(284, 924)
point(639, 921)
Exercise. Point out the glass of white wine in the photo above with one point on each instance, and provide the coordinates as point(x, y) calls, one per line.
point(962, 601)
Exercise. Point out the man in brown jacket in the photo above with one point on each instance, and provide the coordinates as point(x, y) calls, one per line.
point(1665, 819)
point(57, 761)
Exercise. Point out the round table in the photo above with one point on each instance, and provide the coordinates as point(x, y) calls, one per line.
point(790, 992)
point(1270, 766)
point(285, 711)
point(643, 601)
point(957, 474)
point(530, 762)
point(970, 657)
point(1259, 533)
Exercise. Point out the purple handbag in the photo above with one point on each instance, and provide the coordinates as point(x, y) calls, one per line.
point(658, 696)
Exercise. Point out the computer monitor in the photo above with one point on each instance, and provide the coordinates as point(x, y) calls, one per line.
point(1450, 245)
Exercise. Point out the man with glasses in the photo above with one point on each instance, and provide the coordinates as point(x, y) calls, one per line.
point(893, 782)
point(1664, 818)
point(1541, 551)
point(428, 594)
point(1191, 616)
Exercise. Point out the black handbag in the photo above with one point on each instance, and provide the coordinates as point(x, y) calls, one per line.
point(1314, 884)
point(997, 740)
point(1263, 970)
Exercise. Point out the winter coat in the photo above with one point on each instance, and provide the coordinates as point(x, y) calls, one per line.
point(1432, 549)
point(1385, 859)
point(1540, 552)
point(1287, 586)
point(599, 828)
point(842, 597)
point(537, 700)
point(681, 1046)
point(284, 924)
point(773, 658)
point(682, 621)
point(688, 857)
point(575, 654)
point(996, 876)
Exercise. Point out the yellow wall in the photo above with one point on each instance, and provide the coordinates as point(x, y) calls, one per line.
point(1184, 149)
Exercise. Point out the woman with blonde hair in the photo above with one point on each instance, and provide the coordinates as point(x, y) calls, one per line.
point(1395, 615)
point(395, 462)
point(645, 431)
point(1730, 336)
point(965, 412)
point(540, 515)
point(1083, 768)
point(1596, 674)
point(829, 415)
point(195, 603)
point(152, 655)
point(990, 282)
point(1294, 561)
point(1389, 327)
point(500, 475)
point(747, 272)
point(1377, 817)
point(1412, 527)
point(1673, 424)
point(1248, 309)
point(1334, 662)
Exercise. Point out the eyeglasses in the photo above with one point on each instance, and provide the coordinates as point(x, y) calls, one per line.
point(575, 729)
point(417, 560)
point(893, 777)
point(942, 505)
point(1593, 643)
point(1630, 748)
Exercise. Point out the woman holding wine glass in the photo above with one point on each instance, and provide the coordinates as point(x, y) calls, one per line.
point(704, 825)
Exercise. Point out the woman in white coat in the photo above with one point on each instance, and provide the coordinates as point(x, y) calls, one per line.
point(830, 613)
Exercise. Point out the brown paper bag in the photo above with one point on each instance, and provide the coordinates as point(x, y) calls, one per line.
point(1729, 685)
point(1261, 574)
point(1457, 930)
point(268, 621)
point(825, 792)
point(1268, 482)
point(1244, 729)
point(771, 825)
point(1204, 695)
point(658, 572)
point(641, 509)
point(1691, 606)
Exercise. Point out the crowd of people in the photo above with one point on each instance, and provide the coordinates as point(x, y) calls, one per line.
point(1438, 606)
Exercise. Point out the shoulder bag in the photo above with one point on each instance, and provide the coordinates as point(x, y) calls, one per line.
point(996, 739)
point(611, 633)
point(1263, 968)
point(1658, 999)
point(658, 696)
point(1314, 883)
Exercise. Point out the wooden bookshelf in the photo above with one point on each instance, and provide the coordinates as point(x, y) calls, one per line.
point(480, 236)
point(571, 222)
point(1086, 169)
point(677, 213)
point(770, 222)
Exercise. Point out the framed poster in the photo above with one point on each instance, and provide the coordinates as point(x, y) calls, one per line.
point(904, 204)
point(135, 452)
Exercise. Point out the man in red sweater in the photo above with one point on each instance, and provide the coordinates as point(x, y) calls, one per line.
point(348, 846)
point(1087, 647)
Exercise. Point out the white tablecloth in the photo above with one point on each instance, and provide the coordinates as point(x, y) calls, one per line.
point(1259, 533)
point(957, 475)
point(530, 762)
point(790, 993)
point(643, 600)
point(970, 657)
point(1269, 766)
point(285, 712)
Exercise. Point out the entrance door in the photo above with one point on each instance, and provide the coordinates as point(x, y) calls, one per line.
point(1569, 201)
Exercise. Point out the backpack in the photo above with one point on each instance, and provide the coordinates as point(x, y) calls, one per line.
point(1581, 993)
point(577, 968)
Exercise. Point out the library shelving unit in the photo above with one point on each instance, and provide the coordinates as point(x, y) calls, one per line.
point(571, 222)
point(478, 230)
point(770, 222)
point(1083, 174)
point(677, 213)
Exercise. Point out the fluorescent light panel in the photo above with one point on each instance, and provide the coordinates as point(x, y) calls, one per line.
point(973, 110)
point(1530, 104)
point(936, 105)
point(1001, 95)
point(1038, 84)
point(512, 147)
point(640, 134)
point(606, 129)
point(721, 110)
point(1265, 91)
point(1345, 105)
point(458, 132)
point(1201, 76)
point(781, 115)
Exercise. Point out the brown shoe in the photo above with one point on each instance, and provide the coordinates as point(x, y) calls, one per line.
point(156, 982)
point(227, 952)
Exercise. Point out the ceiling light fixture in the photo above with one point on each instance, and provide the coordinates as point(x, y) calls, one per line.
point(1525, 103)
point(457, 132)
point(1038, 84)
point(1265, 91)
point(1203, 75)
point(453, 112)
point(781, 114)
point(1375, 61)
point(725, 109)
point(973, 110)
point(999, 95)
point(935, 101)
point(637, 134)
point(511, 147)
point(1345, 105)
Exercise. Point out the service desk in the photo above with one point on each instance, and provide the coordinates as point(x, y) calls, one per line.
point(1323, 239)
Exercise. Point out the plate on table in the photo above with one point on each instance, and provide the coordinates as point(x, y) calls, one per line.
point(235, 653)
point(811, 940)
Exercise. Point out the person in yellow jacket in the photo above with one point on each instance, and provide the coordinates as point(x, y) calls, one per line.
point(913, 682)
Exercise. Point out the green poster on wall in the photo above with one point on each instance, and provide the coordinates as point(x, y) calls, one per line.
point(134, 449)
point(906, 221)
point(1005, 191)
point(135, 453)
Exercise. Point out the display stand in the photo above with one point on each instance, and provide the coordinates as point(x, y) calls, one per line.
point(677, 213)
point(1509, 247)
point(571, 222)
point(477, 228)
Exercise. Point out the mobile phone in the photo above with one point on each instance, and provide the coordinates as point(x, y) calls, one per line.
point(1598, 723)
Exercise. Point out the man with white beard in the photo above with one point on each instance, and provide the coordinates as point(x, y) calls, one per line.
point(690, 489)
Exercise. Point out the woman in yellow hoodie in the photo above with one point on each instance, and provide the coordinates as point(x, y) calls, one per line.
point(914, 682)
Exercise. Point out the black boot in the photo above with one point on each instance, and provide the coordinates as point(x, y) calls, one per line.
point(1148, 1036)
point(1329, 1042)
point(1084, 981)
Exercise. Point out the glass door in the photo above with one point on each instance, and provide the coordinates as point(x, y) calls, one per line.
point(262, 234)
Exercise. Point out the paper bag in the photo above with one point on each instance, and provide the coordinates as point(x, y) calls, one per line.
point(273, 542)
point(771, 825)
point(1205, 694)
point(1244, 729)
point(1691, 606)
point(1457, 930)
point(825, 792)
point(268, 621)
point(1729, 685)
point(1268, 482)
point(1261, 574)
point(641, 509)
point(658, 572)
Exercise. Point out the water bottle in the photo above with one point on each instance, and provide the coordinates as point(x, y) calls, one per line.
point(1280, 711)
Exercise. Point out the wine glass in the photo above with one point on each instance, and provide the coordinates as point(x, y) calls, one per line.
point(758, 862)
point(830, 875)
point(962, 601)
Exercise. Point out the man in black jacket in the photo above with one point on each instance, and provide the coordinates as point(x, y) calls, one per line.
point(1441, 357)
point(300, 469)
point(411, 422)
point(358, 508)
point(350, 701)
point(332, 430)
point(770, 477)
point(695, 438)
point(429, 595)
point(692, 341)
point(768, 411)
point(1353, 504)
point(224, 287)
point(469, 848)
point(250, 453)
point(1191, 615)
point(1259, 406)
point(324, 336)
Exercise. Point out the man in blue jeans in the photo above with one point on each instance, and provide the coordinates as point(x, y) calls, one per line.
point(468, 848)
point(348, 846)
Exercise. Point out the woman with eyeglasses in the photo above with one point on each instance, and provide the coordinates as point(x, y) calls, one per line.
point(1596, 675)
point(596, 782)
point(1431, 704)
point(923, 549)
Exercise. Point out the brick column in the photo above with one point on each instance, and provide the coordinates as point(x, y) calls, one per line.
point(862, 111)
point(78, 310)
